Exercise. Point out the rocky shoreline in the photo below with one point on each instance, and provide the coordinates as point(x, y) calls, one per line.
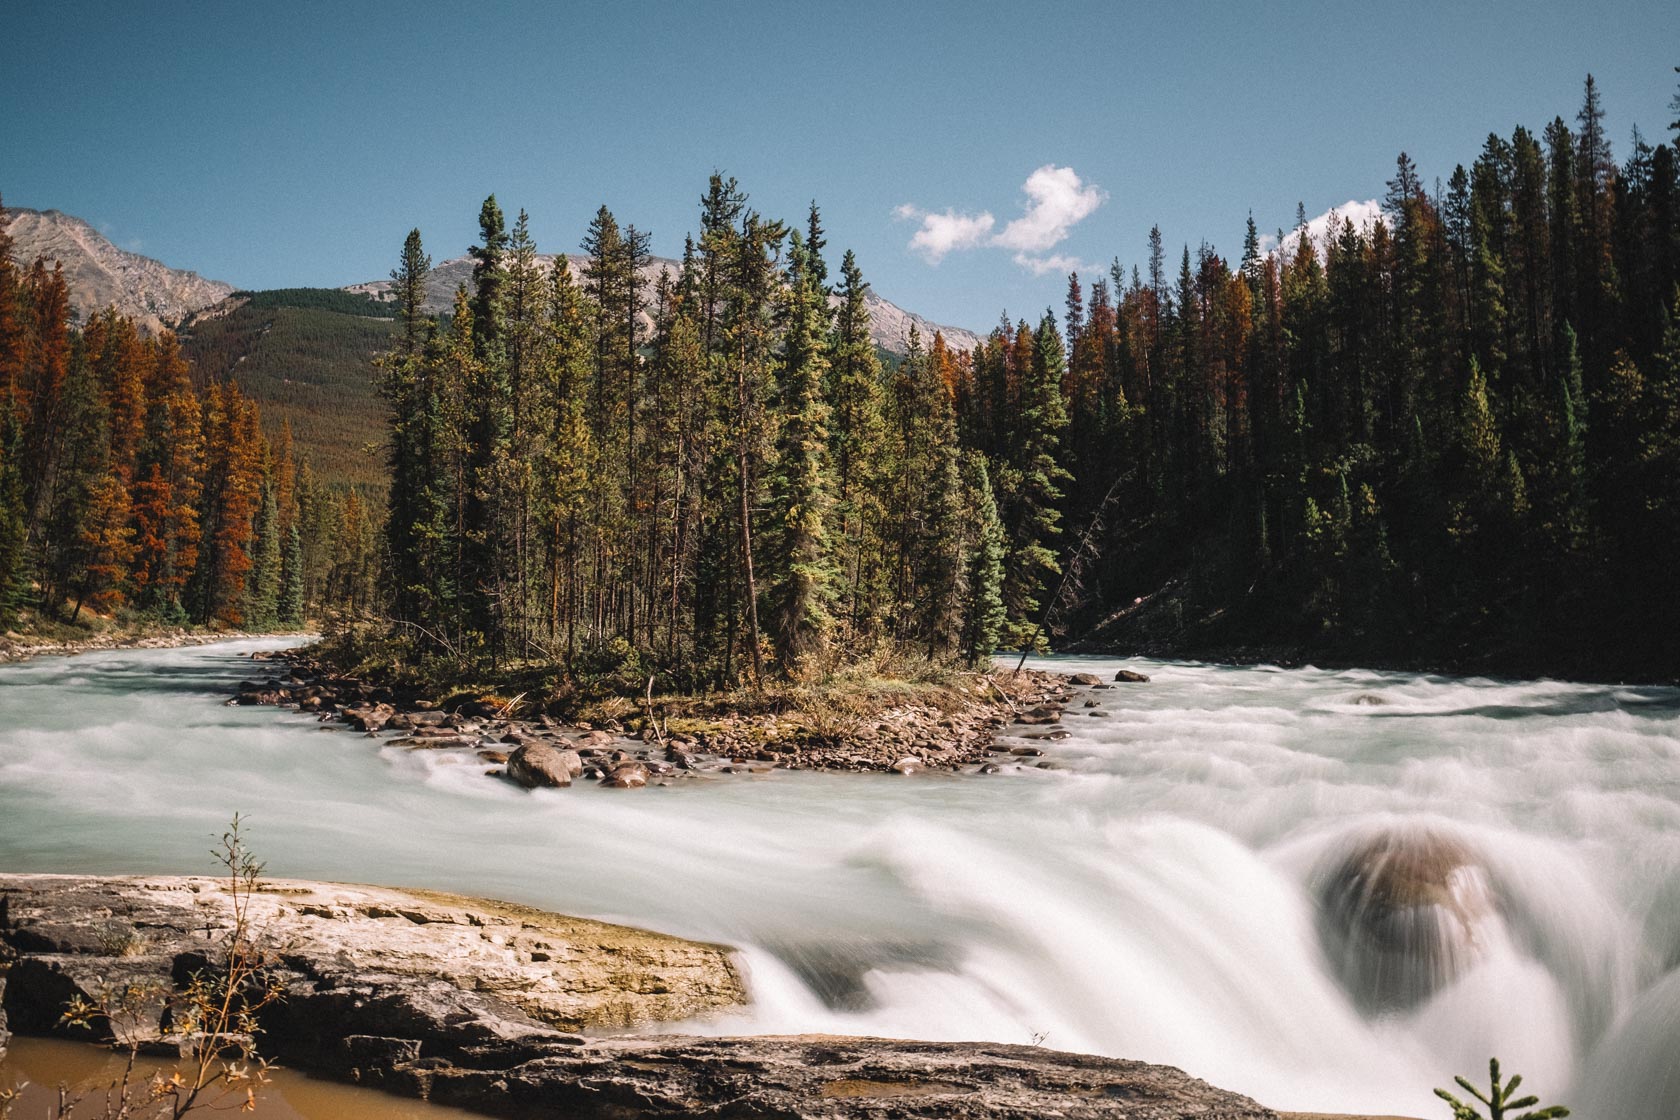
point(22, 647)
point(959, 732)
point(485, 1006)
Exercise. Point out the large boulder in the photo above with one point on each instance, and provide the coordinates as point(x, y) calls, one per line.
point(1403, 913)
point(539, 764)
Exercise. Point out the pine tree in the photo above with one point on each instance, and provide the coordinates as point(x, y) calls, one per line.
point(14, 527)
point(799, 574)
point(291, 608)
point(487, 508)
point(405, 384)
point(984, 615)
point(262, 590)
point(409, 278)
point(1034, 518)
point(855, 449)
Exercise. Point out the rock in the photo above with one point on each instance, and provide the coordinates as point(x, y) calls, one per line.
point(819, 1077)
point(493, 756)
point(538, 764)
point(1026, 752)
point(626, 775)
point(1085, 680)
point(448, 971)
point(1404, 913)
point(369, 719)
point(989, 768)
point(908, 765)
point(1369, 700)
point(1131, 677)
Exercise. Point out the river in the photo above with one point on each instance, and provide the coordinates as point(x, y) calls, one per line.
point(1152, 896)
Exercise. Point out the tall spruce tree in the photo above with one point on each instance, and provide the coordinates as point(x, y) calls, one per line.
point(799, 573)
point(1035, 516)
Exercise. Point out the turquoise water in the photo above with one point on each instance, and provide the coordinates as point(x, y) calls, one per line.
point(1153, 897)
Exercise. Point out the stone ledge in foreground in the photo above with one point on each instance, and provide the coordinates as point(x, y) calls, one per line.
point(362, 954)
point(477, 1004)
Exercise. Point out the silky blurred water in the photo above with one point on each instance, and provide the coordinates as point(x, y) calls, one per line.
point(1153, 897)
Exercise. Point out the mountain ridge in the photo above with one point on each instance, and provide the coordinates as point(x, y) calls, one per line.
point(159, 296)
point(103, 275)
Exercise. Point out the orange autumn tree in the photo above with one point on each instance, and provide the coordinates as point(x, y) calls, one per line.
point(106, 537)
point(234, 453)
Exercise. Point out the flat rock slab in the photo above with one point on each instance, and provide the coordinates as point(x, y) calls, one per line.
point(497, 962)
point(821, 1077)
point(478, 1004)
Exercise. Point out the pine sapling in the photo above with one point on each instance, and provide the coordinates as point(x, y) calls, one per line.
point(1498, 1100)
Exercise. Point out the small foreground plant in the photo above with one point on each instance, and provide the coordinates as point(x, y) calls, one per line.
point(1498, 1100)
point(215, 1018)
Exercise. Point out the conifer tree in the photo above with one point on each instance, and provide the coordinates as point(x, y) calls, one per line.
point(291, 607)
point(855, 448)
point(984, 615)
point(1035, 518)
point(799, 574)
point(262, 589)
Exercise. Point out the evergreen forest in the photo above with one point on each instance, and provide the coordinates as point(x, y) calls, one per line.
point(1450, 436)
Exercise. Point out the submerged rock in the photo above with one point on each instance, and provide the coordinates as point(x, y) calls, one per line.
point(1404, 913)
point(626, 775)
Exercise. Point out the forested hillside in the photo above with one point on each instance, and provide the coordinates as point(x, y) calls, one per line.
point(127, 490)
point(305, 354)
point(1452, 437)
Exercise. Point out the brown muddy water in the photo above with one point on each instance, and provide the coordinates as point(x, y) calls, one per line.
point(41, 1065)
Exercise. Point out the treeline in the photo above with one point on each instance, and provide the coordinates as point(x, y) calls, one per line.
point(125, 488)
point(317, 299)
point(709, 471)
point(1451, 435)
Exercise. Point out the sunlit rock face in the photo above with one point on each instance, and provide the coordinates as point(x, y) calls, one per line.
point(1402, 914)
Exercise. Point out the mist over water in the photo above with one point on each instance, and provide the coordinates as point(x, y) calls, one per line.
point(1156, 897)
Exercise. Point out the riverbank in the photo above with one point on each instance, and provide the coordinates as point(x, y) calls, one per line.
point(68, 640)
point(497, 1008)
point(1163, 626)
point(951, 723)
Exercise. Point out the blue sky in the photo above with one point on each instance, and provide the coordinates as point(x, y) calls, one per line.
point(276, 145)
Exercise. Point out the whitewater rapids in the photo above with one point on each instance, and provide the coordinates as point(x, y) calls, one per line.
point(1156, 896)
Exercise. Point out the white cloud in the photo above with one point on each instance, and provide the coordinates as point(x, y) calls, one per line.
point(1057, 262)
point(941, 233)
point(1057, 200)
